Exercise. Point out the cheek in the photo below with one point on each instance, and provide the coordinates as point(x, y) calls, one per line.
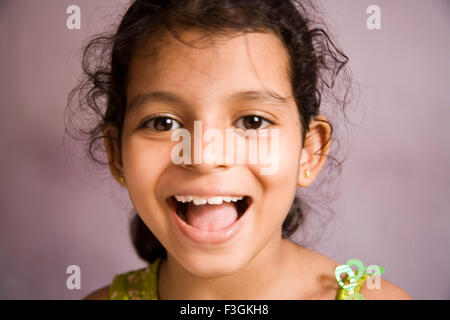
point(279, 156)
point(279, 188)
point(289, 158)
point(144, 161)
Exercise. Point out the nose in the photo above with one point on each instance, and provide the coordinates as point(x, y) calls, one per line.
point(207, 150)
point(205, 168)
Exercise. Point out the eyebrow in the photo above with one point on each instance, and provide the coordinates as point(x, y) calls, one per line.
point(259, 96)
point(266, 96)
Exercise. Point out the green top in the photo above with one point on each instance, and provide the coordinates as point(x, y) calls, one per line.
point(345, 295)
point(142, 284)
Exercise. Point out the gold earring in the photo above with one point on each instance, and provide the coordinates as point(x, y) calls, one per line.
point(122, 179)
point(307, 173)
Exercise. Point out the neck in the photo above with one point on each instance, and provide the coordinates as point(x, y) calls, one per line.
point(267, 276)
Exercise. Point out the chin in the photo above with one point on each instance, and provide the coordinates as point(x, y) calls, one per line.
point(214, 265)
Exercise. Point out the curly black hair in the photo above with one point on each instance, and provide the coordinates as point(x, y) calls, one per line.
point(314, 65)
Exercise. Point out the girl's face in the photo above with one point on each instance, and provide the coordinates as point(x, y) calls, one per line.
point(222, 85)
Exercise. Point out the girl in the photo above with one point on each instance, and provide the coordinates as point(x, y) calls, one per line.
point(216, 229)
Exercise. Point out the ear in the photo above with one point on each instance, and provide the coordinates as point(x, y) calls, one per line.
point(315, 151)
point(111, 138)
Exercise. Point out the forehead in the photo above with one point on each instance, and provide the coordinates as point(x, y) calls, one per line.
point(210, 67)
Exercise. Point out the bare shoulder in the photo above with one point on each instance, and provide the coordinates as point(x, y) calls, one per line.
point(321, 268)
point(100, 294)
point(386, 291)
point(325, 279)
point(321, 282)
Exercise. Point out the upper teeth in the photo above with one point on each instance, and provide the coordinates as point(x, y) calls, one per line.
point(212, 200)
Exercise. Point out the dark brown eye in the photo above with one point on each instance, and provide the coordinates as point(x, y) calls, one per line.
point(163, 124)
point(252, 122)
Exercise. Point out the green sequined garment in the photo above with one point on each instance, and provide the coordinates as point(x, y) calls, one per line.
point(142, 284)
point(345, 295)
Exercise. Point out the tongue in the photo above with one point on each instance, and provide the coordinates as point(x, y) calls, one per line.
point(211, 217)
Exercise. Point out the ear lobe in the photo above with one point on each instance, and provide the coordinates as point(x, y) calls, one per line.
point(306, 174)
point(315, 152)
point(110, 137)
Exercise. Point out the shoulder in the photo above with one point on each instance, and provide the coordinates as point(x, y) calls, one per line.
point(100, 294)
point(321, 268)
point(317, 273)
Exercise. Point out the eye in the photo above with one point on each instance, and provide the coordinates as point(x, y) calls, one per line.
point(162, 124)
point(252, 122)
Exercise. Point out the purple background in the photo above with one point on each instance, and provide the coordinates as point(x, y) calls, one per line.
point(57, 210)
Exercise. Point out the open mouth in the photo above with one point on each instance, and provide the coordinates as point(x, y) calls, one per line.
point(211, 213)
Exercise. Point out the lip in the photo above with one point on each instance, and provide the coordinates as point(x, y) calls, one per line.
point(209, 237)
